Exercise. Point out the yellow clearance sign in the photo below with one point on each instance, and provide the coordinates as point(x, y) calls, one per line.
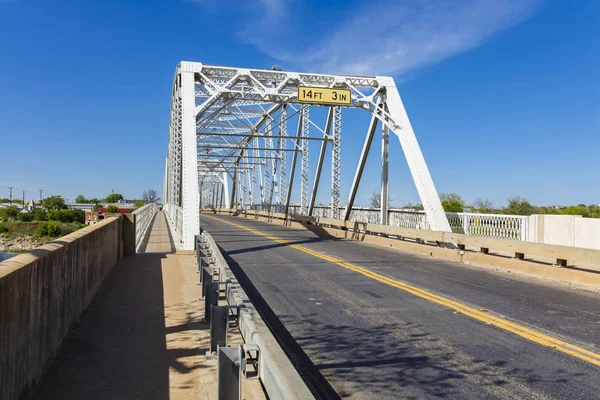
point(319, 95)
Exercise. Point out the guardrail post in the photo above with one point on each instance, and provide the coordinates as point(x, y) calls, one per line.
point(211, 297)
point(229, 373)
point(219, 324)
point(207, 277)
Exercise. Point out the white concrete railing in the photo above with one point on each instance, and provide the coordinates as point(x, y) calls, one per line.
point(143, 217)
point(496, 226)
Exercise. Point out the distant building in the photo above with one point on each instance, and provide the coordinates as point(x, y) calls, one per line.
point(81, 206)
point(123, 208)
point(19, 207)
point(91, 217)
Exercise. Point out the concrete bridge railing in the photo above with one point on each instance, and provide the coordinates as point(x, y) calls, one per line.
point(143, 216)
point(43, 292)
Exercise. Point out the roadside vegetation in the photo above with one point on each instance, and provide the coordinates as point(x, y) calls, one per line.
point(21, 231)
point(453, 202)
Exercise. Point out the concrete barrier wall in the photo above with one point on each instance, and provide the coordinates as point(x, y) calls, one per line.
point(42, 293)
point(565, 230)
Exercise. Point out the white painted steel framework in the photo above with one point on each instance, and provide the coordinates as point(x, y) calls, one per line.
point(229, 143)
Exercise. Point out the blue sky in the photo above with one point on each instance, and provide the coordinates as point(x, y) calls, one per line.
point(504, 95)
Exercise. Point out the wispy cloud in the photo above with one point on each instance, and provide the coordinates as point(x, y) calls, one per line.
point(385, 37)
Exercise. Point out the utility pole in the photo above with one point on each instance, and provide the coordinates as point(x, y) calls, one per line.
point(23, 198)
point(41, 196)
point(10, 188)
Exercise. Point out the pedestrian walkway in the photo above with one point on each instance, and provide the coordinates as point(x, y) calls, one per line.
point(143, 336)
point(158, 239)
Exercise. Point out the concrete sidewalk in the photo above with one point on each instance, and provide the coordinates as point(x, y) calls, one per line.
point(143, 336)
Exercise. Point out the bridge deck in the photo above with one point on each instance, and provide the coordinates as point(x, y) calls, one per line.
point(370, 339)
point(143, 336)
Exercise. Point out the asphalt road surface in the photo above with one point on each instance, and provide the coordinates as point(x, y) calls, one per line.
point(367, 330)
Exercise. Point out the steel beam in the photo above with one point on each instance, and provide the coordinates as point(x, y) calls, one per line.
point(294, 158)
point(385, 142)
point(313, 195)
point(361, 162)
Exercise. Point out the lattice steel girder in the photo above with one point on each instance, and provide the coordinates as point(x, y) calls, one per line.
point(229, 108)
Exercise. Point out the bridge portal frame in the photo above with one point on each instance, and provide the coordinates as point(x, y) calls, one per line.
point(219, 115)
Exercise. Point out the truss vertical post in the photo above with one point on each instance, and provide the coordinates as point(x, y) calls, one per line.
point(363, 159)
point(315, 189)
point(225, 195)
point(260, 175)
point(234, 185)
point(414, 157)
point(294, 159)
point(268, 177)
point(215, 194)
point(190, 190)
point(304, 169)
point(385, 142)
point(336, 153)
point(283, 157)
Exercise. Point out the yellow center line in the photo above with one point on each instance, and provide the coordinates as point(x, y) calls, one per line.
point(502, 323)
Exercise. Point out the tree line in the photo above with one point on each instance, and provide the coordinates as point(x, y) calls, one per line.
point(453, 202)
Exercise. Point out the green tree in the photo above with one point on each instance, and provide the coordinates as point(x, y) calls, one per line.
point(416, 207)
point(112, 209)
point(55, 202)
point(576, 210)
point(94, 200)
point(113, 198)
point(139, 204)
point(9, 213)
point(452, 202)
point(81, 199)
point(519, 206)
point(97, 207)
point(60, 215)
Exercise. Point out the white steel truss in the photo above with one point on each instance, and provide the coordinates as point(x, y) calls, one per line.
point(229, 142)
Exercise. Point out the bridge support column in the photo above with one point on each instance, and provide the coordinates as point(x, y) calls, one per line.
point(190, 202)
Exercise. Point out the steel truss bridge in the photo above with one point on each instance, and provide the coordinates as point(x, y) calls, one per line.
point(236, 134)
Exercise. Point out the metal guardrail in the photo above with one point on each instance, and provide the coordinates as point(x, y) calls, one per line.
point(143, 217)
point(562, 254)
point(497, 226)
point(276, 372)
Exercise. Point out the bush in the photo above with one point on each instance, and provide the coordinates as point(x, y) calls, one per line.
point(112, 209)
point(3, 228)
point(77, 215)
point(40, 215)
point(48, 229)
point(25, 217)
point(8, 213)
point(66, 215)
